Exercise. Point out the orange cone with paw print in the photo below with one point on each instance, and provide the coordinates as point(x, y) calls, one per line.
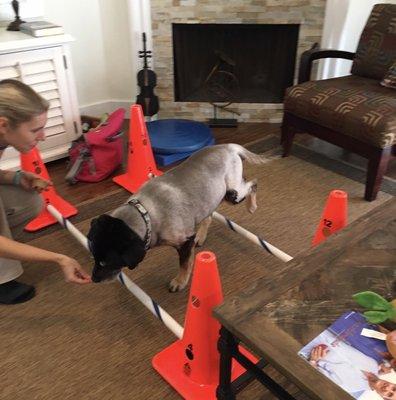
point(32, 162)
point(191, 364)
point(141, 164)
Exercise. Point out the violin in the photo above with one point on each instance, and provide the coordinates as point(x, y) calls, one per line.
point(147, 80)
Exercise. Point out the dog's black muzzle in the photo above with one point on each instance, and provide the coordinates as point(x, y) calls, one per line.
point(96, 279)
point(100, 273)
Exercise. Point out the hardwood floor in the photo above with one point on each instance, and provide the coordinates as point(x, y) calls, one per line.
point(243, 134)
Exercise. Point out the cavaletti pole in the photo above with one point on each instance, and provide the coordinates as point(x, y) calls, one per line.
point(252, 237)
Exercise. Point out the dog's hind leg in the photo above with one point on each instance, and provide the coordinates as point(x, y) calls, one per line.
point(237, 188)
point(251, 199)
point(186, 259)
point(202, 231)
point(241, 191)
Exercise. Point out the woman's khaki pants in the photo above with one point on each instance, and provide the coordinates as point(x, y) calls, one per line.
point(17, 208)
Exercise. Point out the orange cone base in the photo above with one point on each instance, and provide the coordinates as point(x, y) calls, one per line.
point(45, 219)
point(170, 364)
point(131, 183)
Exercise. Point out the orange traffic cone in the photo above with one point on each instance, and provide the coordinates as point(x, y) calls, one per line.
point(141, 165)
point(32, 162)
point(334, 216)
point(191, 365)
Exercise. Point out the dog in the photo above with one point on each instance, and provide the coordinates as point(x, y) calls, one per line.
point(172, 209)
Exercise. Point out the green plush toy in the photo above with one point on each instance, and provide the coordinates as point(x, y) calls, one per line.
point(380, 310)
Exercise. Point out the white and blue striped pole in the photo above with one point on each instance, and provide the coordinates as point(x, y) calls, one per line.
point(252, 237)
point(143, 297)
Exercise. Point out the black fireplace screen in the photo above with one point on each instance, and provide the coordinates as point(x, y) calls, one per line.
point(243, 63)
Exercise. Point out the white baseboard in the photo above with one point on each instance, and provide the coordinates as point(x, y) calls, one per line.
point(102, 107)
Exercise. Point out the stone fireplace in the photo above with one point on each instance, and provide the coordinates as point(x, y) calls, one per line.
point(224, 64)
point(257, 44)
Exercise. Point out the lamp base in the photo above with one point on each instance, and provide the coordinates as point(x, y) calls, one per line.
point(14, 25)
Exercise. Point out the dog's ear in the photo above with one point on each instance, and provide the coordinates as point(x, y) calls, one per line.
point(98, 222)
point(92, 229)
point(105, 227)
point(114, 241)
point(104, 220)
point(134, 254)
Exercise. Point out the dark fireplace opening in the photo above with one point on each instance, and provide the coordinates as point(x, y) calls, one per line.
point(242, 63)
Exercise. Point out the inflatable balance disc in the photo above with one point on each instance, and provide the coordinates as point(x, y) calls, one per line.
point(170, 136)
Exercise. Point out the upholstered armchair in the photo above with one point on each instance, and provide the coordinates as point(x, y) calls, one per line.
point(356, 112)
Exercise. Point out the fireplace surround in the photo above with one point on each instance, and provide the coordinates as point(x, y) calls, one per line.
point(308, 15)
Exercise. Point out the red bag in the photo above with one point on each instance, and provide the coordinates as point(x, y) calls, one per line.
point(96, 154)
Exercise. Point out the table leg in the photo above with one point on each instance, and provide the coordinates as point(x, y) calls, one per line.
point(225, 345)
point(228, 349)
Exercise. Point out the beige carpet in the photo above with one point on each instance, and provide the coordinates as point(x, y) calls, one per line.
point(96, 342)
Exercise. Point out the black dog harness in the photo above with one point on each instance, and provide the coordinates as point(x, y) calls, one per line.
point(145, 215)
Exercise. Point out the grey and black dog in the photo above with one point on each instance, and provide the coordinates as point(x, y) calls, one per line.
point(173, 209)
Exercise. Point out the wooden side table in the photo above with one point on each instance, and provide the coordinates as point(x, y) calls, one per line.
point(277, 316)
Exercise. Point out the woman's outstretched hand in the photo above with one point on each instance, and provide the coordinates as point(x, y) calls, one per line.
point(73, 271)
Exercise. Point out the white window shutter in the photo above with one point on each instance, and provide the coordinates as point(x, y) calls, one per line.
point(44, 71)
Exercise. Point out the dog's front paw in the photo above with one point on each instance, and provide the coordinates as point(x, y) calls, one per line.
point(252, 208)
point(201, 241)
point(176, 286)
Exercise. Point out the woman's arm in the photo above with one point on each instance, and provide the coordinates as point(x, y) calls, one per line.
point(7, 177)
point(26, 180)
point(23, 252)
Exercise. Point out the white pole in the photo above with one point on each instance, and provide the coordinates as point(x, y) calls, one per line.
point(69, 226)
point(252, 237)
point(144, 298)
point(155, 309)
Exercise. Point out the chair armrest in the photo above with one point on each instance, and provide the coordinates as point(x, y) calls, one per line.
point(315, 53)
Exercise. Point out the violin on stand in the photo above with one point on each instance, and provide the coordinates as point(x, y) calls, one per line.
point(147, 80)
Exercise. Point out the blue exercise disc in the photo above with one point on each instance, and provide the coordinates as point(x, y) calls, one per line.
point(170, 136)
point(163, 160)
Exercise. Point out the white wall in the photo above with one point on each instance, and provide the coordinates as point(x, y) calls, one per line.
point(27, 9)
point(101, 51)
point(139, 14)
point(344, 22)
point(117, 48)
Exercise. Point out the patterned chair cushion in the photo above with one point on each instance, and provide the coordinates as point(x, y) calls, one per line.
point(355, 106)
point(376, 50)
point(390, 77)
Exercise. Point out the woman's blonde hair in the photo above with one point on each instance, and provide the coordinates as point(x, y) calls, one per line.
point(19, 102)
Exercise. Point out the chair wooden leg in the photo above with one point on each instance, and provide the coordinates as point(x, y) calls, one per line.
point(377, 167)
point(287, 136)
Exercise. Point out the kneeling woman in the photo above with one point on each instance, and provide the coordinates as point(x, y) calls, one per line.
point(23, 115)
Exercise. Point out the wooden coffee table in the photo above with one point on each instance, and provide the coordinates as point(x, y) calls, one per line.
point(277, 316)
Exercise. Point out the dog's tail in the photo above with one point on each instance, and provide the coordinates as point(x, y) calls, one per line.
point(253, 158)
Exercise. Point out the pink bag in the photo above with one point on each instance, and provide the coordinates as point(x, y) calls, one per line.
point(96, 154)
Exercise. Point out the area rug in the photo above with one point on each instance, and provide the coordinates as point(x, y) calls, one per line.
point(97, 341)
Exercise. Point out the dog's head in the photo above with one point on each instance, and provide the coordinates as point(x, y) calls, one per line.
point(114, 245)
